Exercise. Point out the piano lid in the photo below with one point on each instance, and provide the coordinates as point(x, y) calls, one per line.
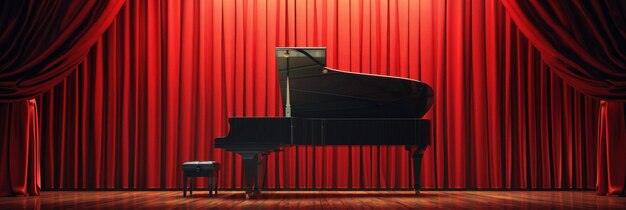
point(317, 91)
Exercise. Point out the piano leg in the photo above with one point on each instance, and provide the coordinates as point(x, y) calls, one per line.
point(255, 169)
point(250, 164)
point(262, 168)
point(418, 154)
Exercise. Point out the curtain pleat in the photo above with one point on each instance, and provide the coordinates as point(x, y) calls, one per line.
point(583, 41)
point(43, 40)
point(19, 149)
point(611, 173)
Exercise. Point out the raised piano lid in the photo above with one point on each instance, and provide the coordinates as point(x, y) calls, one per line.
point(317, 91)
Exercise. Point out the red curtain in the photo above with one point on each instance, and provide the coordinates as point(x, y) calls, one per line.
point(611, 177)
point(19, 149)
point(584, 43)
point(158, 87)
point(42, 42)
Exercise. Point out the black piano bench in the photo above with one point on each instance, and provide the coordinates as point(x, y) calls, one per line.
point(210, 169)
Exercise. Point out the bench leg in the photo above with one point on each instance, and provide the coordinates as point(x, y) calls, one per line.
point(191, 187)
point(215, 181)
point(210, 185)
point(184, 186)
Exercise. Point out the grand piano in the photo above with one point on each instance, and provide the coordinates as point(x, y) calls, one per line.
point(325, 106)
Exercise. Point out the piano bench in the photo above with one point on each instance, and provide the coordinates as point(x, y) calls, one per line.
point(193, 169)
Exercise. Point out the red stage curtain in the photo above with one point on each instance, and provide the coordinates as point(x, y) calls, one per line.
point(19, 149)
point(583, 41)
point(585, 44)
point(611, 177)
point(42, 41)
point(158, 87)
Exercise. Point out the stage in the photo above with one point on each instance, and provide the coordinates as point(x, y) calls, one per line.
point(484, 104)
point(317, 200)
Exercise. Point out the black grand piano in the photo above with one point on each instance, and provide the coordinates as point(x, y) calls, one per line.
point(324, 106)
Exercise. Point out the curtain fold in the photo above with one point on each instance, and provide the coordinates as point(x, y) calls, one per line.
point(43, 40)
point(611, 177)
point(158, 86)
point(19, 149)
point(584, 43)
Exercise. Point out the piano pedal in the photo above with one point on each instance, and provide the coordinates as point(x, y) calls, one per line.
point(254, 194)
point(251, 195)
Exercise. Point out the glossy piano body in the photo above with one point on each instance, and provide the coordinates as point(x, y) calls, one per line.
point(327, 131)
point(332, 107)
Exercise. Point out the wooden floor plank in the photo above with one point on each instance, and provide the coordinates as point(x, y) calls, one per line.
point(317, 200)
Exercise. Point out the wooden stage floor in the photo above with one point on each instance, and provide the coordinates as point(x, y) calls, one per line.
point(317, 200)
